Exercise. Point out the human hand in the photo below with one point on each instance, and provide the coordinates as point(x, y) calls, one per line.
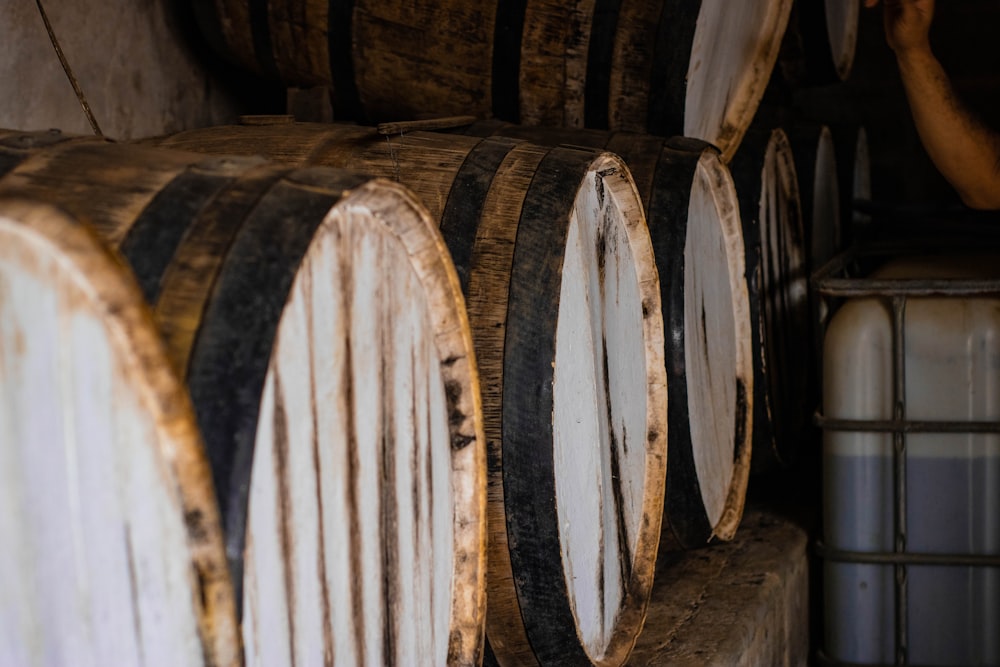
point(907, 23)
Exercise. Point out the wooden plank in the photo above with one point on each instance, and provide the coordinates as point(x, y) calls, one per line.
point(490, 275)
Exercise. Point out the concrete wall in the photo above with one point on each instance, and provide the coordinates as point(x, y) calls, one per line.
point(138, 63)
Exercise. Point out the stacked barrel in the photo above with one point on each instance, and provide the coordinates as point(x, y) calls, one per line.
point(298, 393)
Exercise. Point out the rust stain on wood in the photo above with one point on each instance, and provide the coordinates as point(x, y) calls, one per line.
point(285, 516)
point(133, 587)
point(353, 466)
point(321, 573)
point(389, 510)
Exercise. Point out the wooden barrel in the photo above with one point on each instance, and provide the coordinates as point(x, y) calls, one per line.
point(632, 65)
point(112, 550)
point(820, 42)
point(817, 173)
point(693, 215)
point(319, 326)
point(817, 170)
point(557, 266)
point(854, 162)
point(764, 172)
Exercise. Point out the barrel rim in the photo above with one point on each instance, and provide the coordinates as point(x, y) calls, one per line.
point(107, 280)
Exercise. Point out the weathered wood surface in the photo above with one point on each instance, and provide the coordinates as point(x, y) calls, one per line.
point(743, 604)
point(725, 85)
point(557, 265)
point(319, 325)
point(764, 172)
point(694, 223)
point(112, 549)
point(607, 64)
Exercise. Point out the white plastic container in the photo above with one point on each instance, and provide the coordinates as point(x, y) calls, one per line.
point(952, 373)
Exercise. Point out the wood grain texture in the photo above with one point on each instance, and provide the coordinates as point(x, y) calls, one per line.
point(553, 62)
point(694, 223)
point(302, 24)
point(493, 253)
point(518, 204)
point(632, 65)
point(745, 603)
point(725, 85)
point(113, 549)
point(764, 172)
point(240, 291)
point(449, 43)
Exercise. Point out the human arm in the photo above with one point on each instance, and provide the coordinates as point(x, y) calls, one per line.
point(964, 150)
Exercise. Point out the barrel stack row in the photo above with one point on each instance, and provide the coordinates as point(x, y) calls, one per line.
point(407, 398)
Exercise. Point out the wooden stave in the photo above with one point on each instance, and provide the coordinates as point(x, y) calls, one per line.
point(363, 149)
point(501, 61)
point(107, 284)
point(664, 171)
point(775, 426)
point(245, 181)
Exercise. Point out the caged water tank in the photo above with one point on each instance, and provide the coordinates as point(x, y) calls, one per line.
point(911, 464)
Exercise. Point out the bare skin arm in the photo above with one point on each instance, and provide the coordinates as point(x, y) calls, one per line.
point(966, 152)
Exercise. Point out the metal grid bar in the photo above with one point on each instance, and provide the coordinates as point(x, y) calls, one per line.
point(905, 425)
point(824, 660)
point(830, 287)
point(908, 558)
point(899, 473)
